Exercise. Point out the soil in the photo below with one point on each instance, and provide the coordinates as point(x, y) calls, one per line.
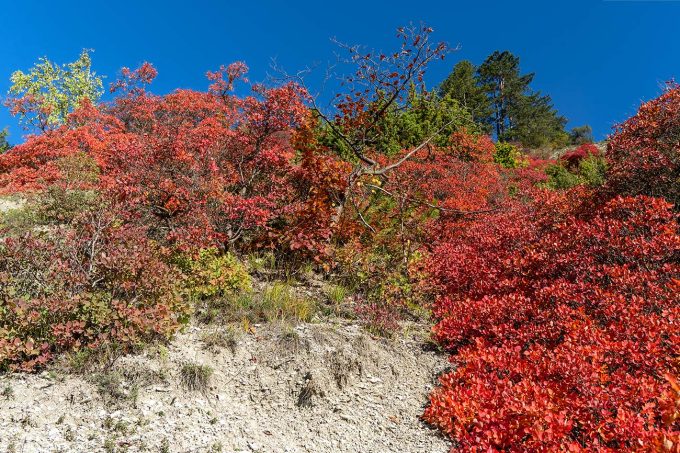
point(319, 387)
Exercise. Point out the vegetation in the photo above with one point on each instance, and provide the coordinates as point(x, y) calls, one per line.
point(45, 96)
point(500, 99)
point(553, 283)
point(195, 377)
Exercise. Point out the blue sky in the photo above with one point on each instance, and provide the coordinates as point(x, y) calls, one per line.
point(597, 59)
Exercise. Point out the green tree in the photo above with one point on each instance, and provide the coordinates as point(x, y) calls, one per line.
point(422, 116)
point(500, 78)
point(535, 123)
point(45, 95)
point(4, 144)
point(426, 115)
point(580, 135)
point(462, 85)
point(518, 113)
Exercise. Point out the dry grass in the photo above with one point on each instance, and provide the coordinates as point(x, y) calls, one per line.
point(278, 301)
point(221, 338)
point(195, 377)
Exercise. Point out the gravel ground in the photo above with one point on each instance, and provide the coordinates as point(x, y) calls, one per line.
point(326, 387)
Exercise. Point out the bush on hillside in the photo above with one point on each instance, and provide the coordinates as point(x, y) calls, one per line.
point(562, 319)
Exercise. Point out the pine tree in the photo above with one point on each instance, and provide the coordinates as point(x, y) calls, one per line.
point(462, 86)
point(500, 78)
point(535, 123)
point(518, 113)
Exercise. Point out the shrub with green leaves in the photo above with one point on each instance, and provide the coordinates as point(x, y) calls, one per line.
point(589, 171)
point(507, 155)
point(210, 273)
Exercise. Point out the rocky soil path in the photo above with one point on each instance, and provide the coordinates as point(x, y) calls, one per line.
point(326, 387)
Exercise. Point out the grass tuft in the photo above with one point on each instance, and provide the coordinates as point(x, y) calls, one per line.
point(195, 377)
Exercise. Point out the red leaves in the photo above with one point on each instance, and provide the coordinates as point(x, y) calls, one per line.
point(562, 317)
point(644, 153)
point(95, 280)
point(572, 158)
point(198, 169)
point(134, 81)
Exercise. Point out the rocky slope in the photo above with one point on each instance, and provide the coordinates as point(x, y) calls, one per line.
point(325, 387)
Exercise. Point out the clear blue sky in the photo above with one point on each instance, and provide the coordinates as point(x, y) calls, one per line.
point(597, 59)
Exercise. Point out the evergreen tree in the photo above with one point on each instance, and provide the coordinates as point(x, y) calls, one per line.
point(4, 144)
point(518, 113)
point(461, 85)
point(580, 135)
point(500, 78)
point(535, 123)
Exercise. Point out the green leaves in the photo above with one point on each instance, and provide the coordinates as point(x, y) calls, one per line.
point(44, 96)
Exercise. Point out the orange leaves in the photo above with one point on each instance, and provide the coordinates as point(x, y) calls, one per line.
point(186, 162)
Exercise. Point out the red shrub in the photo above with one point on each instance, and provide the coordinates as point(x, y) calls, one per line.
point(644, 152)
point(197, 168)
point(95, 281)
point(572, 158)
point(563, 321)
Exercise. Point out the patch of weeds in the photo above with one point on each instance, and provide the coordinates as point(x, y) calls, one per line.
point(7, 392)
point(163, 353)
point(84, 361)
point(262, 263)
point(279, 302)
point(141, 375)
point(306, 271)
point(221, 338)
point(165, 445)
point(113, 389)
point(216, 447)
point(110, 445)
point(121, 427)
point(336, 294)
point(195, 377)
point(107, 424)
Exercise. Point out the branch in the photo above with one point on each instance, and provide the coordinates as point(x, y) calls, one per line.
point(382, 171)
point(434, 206)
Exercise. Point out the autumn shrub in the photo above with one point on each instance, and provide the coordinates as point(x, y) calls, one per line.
point(573, 157)
point(95, 281)
point(644, 154)
point(391, 217)
point(208, 273)
point(561, 316)
point(196, 169)
point(507, 155)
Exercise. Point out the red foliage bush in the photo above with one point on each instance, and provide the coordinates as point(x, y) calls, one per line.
point(198, 169)
point(644, 152)
point(563, 320)
point(572, 158)
point(92, 282)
